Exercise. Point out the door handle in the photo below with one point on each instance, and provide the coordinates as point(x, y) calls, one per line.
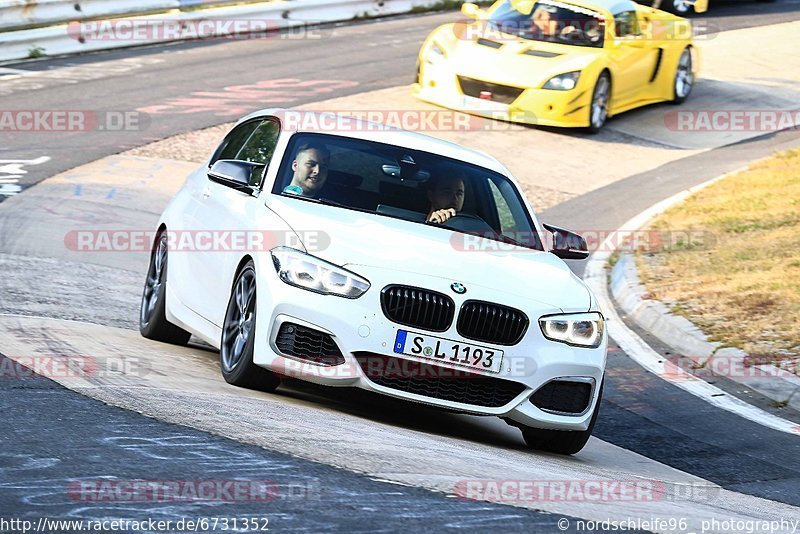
point(206, 192)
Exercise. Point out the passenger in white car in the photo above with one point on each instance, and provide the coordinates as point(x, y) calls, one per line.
point(310, 167)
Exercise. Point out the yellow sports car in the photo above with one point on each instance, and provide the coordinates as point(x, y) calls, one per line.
point(569, 63)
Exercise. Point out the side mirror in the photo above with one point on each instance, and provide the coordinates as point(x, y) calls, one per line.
point(568, 245)
point(470, 10)
point(243, 176)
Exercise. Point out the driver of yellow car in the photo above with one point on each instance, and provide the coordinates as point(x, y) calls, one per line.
point(545, 26)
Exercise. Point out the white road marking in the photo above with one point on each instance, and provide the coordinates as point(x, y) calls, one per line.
point(11, 170)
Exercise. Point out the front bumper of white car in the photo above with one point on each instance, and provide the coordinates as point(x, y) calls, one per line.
point(349, 342)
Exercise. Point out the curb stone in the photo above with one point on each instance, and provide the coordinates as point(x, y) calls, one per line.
point(687, 340)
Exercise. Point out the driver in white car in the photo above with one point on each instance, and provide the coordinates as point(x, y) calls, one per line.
point(446, 196)
point(310, 168)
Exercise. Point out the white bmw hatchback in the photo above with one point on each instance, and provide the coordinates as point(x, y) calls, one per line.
point(345, 253)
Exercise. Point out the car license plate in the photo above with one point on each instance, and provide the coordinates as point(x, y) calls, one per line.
point(446, 350)
point(471, 103)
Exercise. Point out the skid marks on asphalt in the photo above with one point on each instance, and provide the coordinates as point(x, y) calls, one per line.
point(236, 100)
point(18, 81)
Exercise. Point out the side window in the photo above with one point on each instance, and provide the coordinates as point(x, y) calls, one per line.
point(233, 142)
point(626, 24)
point(260, 146)
point(507, 222)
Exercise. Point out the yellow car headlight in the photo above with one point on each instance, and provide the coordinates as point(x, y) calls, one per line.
point(563, 82)
point(435, 54)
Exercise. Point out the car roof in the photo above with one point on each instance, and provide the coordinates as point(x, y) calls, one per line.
point(295, 120)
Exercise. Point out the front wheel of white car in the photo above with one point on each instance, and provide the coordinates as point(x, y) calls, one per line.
point(561, 441)
point(239, 336)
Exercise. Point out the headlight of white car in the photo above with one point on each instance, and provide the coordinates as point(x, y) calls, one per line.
point(314, 274)
point(435, 54)
point(580, 329)
point(563, 82)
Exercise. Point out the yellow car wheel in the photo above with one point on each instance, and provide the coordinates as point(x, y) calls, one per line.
point(598, 111)
point(681, 8)
point(684, 78)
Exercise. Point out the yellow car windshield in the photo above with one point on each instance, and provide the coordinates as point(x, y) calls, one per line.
point(549, 21)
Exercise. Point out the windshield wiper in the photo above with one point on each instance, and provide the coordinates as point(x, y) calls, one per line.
point(329, 202)
point(324, 201)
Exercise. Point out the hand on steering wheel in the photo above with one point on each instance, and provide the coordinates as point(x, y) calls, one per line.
point(440, 216)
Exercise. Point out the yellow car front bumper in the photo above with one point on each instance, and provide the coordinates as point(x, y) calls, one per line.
point(544, 107)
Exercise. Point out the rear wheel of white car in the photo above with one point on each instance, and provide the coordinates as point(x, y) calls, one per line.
point(239, 336)
point(684, 78)
point(153, 322)
point(561, 441)
point(598, 111)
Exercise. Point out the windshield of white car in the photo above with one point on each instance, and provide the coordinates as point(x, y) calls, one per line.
point(549, 21)
point(405, 184)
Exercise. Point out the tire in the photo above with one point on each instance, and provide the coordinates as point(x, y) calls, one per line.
point(683, 82)
point(153, 322)
point(681, 8)
point(598, 110)
point(239, 335)
point(561, 441)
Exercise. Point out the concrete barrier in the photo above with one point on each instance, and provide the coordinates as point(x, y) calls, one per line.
point(77, 37)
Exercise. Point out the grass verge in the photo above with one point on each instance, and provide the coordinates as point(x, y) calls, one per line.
point(730, 260)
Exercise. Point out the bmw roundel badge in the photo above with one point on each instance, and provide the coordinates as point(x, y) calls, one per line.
point(458, 288)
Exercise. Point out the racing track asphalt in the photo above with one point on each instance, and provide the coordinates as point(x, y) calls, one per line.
point(75, 439)
point(640, 412)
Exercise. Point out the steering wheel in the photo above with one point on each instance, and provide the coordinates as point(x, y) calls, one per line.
point(467, 222)
point(571, 33)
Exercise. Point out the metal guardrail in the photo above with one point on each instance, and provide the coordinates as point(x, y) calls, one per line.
point(23, 14)
point(30, 14)
point(66, 35)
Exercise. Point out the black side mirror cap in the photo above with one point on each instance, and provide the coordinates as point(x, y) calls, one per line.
point(244, 176)
point(567, 245)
